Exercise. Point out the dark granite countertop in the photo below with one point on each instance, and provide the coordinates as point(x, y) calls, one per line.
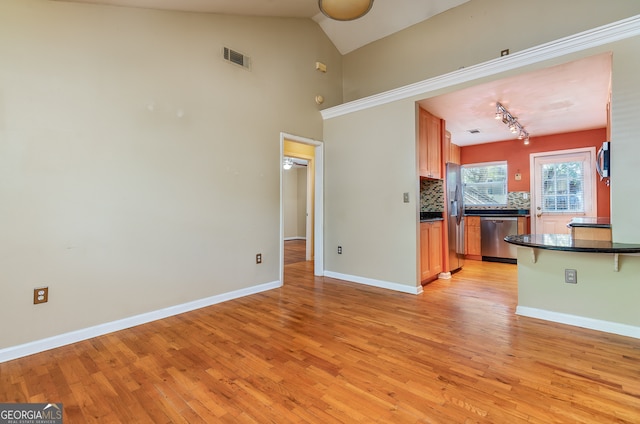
point(590, 222)
point(496, 212)
point(432, 219)
point(431, 216)
point(565, 243)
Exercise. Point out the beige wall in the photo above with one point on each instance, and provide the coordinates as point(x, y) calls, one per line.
point(472, 33)
point(294, 199)
point(600, 294)
point(625, 145)
point(370, 161)
point(138, 169)
point(302, 202)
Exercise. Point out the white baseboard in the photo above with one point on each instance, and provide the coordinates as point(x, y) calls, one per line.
point(578, 321)
point(375, 283)
point(294, 238)
point(14, 352)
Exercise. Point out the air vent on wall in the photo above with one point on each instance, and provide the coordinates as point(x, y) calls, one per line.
point(235, 57)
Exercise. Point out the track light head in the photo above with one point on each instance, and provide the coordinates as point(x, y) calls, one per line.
point(512, 122)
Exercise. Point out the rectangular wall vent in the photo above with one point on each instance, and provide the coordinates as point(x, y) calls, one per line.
point(236, 57)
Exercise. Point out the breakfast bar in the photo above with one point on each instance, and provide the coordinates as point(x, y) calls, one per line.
point(571, 281)
point(567, 243)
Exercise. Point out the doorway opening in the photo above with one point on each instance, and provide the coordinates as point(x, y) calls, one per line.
point(304, 178)
point(297, 205)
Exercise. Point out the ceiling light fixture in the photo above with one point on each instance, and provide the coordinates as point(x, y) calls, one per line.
point(512, 122)
point(287, 163)
point(345, 10)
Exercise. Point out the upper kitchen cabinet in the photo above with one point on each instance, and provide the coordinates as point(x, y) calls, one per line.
point(451, 151)
point(429, 145)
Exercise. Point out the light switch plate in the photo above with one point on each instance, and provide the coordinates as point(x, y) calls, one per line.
point(405, 196)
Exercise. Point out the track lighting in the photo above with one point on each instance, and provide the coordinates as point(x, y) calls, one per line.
point(512, 122)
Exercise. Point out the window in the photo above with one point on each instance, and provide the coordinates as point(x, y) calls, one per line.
point(562, 187)
point(485, 184)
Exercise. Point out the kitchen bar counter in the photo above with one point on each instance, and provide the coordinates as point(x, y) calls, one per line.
point(590, 228)
point(566, 243)
point(590, 222)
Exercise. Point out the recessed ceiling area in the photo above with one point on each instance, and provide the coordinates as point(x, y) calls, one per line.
point(385, 17)
point(564, 98)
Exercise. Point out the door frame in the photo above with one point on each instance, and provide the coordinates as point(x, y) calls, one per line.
point(532, 177)
point(318, 210)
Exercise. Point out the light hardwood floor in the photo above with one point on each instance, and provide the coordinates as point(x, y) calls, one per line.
point(295, 251)
point(320, 350)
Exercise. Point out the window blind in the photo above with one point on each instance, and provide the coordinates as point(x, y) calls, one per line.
point(485, 184)
point(562, 187)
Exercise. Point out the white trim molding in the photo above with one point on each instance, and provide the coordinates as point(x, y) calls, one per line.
point(15, 352)
point(374, 283)
point(616, 31)
point(578, 321)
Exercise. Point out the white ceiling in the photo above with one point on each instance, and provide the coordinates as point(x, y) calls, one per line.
point(563, 98)
point(386, 16)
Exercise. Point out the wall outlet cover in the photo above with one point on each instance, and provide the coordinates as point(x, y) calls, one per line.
point(40, 295)
point(571, 276)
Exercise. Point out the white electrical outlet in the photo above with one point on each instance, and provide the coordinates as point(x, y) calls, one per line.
point(40, 295)
point(571, 276)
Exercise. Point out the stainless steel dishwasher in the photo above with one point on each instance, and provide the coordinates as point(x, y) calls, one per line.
point(493, 230)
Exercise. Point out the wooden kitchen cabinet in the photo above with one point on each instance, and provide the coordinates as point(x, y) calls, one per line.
point(472, 240)
point(451, 152)
point(523, 225)
point(454, 153)
point(430, 250)
point(429, 145)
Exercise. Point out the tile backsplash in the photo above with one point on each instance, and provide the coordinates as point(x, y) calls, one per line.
point(518, 200)
point(432, 198)
point(431, 195)
point(515, 200)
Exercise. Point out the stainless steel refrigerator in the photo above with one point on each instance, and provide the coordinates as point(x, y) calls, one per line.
point(455, 211)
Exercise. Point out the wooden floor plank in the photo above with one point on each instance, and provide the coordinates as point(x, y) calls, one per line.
point(320, 350)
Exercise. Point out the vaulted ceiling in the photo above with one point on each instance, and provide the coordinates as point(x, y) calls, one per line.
point(385, 17)
point(564, 98)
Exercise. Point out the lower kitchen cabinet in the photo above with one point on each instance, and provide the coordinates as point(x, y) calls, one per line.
point(524, 225)
point(430, 250)
point(472, 241)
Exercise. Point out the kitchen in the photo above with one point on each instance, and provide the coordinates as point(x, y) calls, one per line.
point(564, 108)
